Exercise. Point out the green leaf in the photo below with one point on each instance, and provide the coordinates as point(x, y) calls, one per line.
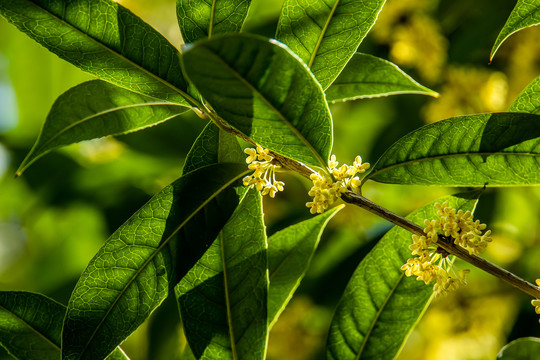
point(222, 300)
point(211, 147)
point(367, 76)
point(289, 254)
point(380, 305)
point(326, 33)
point(259, 87)
point(95, 109)
point(528, 101)
point(131, 274)
point(473, 150)
point(526, 13)
point(104, 39)
point(31, 326)
point(201, 19)
point(526, 348)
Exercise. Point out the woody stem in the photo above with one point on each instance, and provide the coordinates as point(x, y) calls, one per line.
point(446, 244)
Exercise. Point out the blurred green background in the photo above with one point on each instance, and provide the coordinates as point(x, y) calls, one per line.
point(57, 215)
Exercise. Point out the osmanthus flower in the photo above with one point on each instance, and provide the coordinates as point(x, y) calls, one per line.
point(264, 174)
point(431, 262)
point(536, 302)
point(328, 187)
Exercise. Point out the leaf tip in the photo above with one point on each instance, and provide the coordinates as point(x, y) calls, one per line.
point(434, 94)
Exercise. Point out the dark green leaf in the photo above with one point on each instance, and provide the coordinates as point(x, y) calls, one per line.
point(211, 147)
point(95, 109)
point(326, 33)
point(380, 305)
point(367, 76)
point(474, 150)
point(528, 101)
point(104, 39)
point(199, 19)
point(259, 87)
point(526, 348)
point(526, 13)
point(222, 299)
point(289, 255)
point(31, 326)
point(131, 274)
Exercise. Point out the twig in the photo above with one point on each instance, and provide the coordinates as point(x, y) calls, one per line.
point(448, 246)
point(359, 200)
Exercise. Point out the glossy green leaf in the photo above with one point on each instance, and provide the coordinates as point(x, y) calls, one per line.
point(289, 254)
point(474, 150)
point(222, 300)
point(95, 109)
point(104, 39)
point(31, 326)
point(213, 146)
point(380, 305)
point(259, 87)
point(526, 348)
point(528, 101)
point(367, 76)
point(326, 33)
point(526, 13)
point(200, 19)
point(131, 274)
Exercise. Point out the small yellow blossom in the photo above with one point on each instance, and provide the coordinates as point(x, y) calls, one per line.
point(326, 189)
point(536, 302)
point(264, 171)
point(431, 262)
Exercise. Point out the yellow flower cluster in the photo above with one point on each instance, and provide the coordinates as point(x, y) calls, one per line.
point(536, 302)
point(431, 262)
point(326, 189)
point(264, 175)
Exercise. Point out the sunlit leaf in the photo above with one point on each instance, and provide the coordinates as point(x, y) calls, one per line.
point(95, 109)
point(104, 39)
point(259, 87)
point(380, 305)
point(326, 33)
point(289, 255)
point(367, 76)
point(526, 348)
point(131, 274)
point(528, 101)
point(222, 299)
point(474, 150)
point(200, 19)
point(526, 13)
point(31, 326)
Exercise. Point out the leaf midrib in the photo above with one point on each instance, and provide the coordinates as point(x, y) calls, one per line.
point(227, 298)
point(272, 108)
point(50, 341)
point(105, 112)
point(139, 67)
point(337, 84)
point(211, 25)
point(157, 251)
point(437, 157)
point(323, 33)
point(377, 315)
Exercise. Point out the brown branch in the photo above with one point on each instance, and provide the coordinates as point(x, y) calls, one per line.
point(359, 200)
point(446, 245)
